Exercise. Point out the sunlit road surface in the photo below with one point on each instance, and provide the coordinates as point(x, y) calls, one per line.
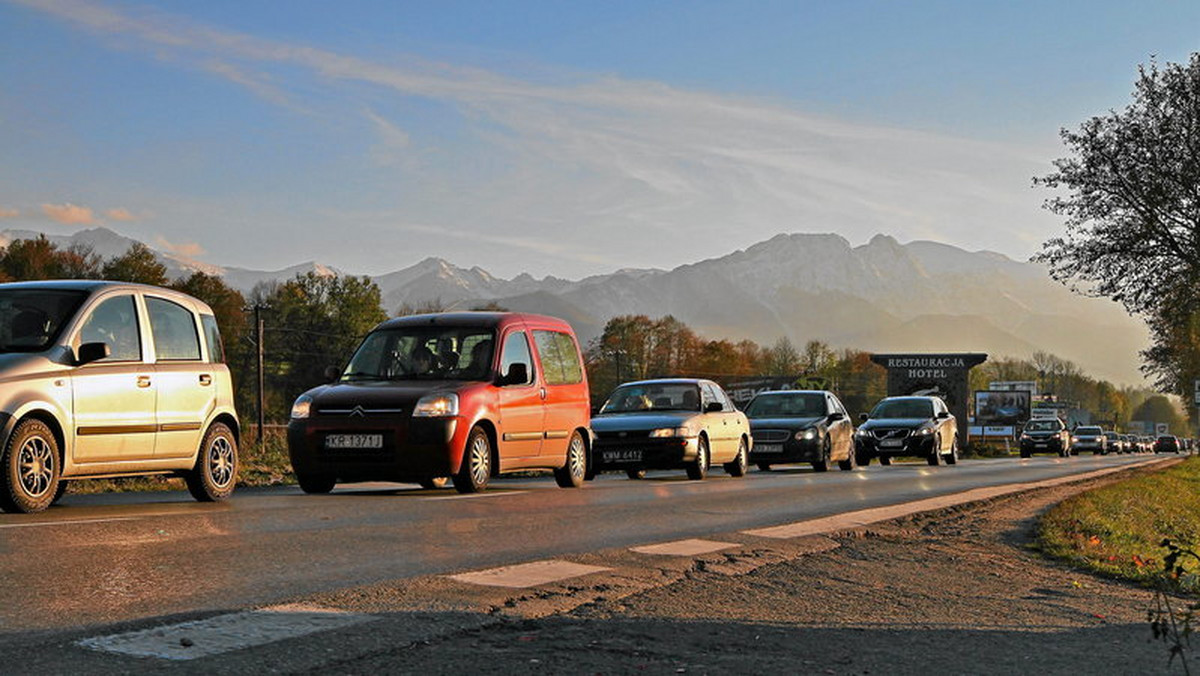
point(100, 559)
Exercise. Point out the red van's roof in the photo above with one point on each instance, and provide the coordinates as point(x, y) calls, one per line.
point(489, 319)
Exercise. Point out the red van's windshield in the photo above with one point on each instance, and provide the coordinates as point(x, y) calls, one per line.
point(424, 353)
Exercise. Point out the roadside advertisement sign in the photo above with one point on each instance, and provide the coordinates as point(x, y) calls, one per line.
point(1162, 428)
point(1014, 386)
point(1001, 407)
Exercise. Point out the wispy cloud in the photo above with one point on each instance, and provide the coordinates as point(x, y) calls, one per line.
point(393, 140)
point(6, 213)
point(69, 214)
point(183, 249)
point(603, 162)
point(120, 214)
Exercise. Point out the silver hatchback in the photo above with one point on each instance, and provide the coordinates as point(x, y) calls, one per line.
point(105, 379)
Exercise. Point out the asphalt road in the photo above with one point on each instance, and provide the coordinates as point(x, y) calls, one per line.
point(101, 559)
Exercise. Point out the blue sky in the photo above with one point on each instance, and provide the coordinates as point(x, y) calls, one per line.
point(554, 138)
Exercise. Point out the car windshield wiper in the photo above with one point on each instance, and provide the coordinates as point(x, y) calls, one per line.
point(364, 376)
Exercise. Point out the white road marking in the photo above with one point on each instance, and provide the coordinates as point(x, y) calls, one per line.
point(864, 517)
point(527, 574)
point(223, 633)
point(472, 496)
point(684, 548)
point(71, 522)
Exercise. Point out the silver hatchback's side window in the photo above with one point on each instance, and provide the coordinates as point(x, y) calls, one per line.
point(114, 321)
point(174, 329)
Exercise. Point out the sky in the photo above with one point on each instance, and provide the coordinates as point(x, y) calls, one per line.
point(554, 138)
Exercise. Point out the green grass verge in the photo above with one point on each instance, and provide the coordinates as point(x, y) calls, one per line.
point(264, 464)
point(1117, 530)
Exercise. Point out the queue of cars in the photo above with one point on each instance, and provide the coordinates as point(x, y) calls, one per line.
point(111, 380)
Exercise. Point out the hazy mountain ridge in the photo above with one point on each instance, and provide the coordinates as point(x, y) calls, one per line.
point(882, 296)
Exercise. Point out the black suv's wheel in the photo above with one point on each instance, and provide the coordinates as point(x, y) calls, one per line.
point(1025, 453)
point(764, 467)
point(215, 473)
point(315, 483)
point(476, 467)
point(573, 471)
point(847, 465)
point(822, 464)
point(739, 465)
point(31, 468)
point(698, 468)
point(935, 456)
point(862, 459)
point(885, 459)
point(952, 457)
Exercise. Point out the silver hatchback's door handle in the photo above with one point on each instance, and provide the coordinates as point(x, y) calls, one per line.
point(143, 381)
point(205, 379)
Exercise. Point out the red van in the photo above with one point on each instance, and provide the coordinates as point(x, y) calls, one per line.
point(465, 396)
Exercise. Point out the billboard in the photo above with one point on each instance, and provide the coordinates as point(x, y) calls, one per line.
point(1014, 385)
point(1001, 407)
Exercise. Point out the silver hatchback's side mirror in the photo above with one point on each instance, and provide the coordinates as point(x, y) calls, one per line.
point(90, 352)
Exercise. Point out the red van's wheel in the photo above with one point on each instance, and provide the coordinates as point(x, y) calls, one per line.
point(476, 468)
point(572, 473)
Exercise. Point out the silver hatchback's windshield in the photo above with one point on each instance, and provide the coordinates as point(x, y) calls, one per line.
point(31, 319)
point(903, 408)
point(424, 353)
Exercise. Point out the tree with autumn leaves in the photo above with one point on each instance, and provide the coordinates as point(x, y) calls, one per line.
point(1129, 191)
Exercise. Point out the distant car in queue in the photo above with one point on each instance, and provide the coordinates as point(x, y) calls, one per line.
point(918, 426)
point(800, 426)
point(1166, 443)
point(1089, 438)
point(677, 423)
point(1045, 435)
point(1116, 444)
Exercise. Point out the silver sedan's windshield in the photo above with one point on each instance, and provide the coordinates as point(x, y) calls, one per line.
point(653, 397)
point(424, 353)
point(31, 319)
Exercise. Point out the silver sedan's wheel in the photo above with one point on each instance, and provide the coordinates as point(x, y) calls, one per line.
point(698, 468)
point(572, 473)
point(476, 469)
point(739, 465)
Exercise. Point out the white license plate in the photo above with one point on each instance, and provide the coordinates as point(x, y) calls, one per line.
point(891, 443)
point(622, 456)
point(343, 441)
point(768, 448)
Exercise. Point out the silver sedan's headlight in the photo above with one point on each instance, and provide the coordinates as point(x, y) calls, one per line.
point(663, 432)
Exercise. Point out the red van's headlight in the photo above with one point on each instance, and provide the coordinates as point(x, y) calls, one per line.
point(436, 406)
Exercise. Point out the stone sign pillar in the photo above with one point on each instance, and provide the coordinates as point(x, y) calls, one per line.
point(943, 375)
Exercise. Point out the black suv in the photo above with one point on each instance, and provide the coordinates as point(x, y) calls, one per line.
point(908, 426)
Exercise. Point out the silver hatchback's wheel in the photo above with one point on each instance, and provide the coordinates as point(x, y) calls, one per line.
point(31, 468)
point(573, 471)
point(215, 473)
point(476, 469)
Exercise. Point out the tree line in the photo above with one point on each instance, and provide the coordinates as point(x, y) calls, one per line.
point(312, 322)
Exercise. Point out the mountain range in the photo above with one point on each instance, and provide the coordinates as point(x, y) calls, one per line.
point(880, 296)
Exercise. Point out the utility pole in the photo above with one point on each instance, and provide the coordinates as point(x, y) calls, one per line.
point(258, 344)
